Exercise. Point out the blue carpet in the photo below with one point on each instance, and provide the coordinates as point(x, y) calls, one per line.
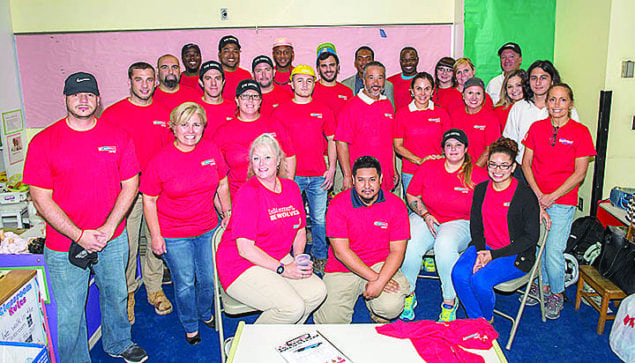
point(572, 338)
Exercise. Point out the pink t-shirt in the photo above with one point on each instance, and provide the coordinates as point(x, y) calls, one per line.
point(501, 113)
point(552, 165)
point(273, 99)
point(217, 115)
point(173, 100)
point(84, 169)
point(185, 183)
point(481, 128)
point(234, 140)
point(401, 90)
point(231, 82)
point(446, 96)
point(457, 103)
point(442, 193)
point(335, 97)
point(494, 210)
point(282, 80)
point(270, 219)
point(421, 131)
point(192, 82)
point(307, 125)
point(147, 126)
point(369, 230)
point(368, 130)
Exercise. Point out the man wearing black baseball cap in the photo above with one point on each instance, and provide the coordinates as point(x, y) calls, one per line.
point(229, 57)
point(191, 57)
point(272, 95)
point(219, 110)
point(83, 177)
point(511, 57)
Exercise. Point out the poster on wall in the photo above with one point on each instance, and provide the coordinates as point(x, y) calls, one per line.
point(12, 121)
point(16, 149)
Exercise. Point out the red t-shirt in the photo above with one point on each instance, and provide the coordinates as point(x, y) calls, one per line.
point(481, 128)
point(173, 100)
point(192, 82)
point(501, 113)
point(231, 82)
point(495, 209)
point(84, 169)
point(147, 126)
point(270, 219)
point(443, 194)
point(234, 141)
point(552, 165)
point(185, 183)
point(369, 230)
point(335, 97)
point(421, 131)
point(457, 103)
point(446, 96)
point(307, 126)
point(274, 99)
point(401, 90)
point(282, 80)
point(217, 115)
point(368, 130)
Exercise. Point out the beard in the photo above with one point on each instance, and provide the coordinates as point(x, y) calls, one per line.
point(171, 82)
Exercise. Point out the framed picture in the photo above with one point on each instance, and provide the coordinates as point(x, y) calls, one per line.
point(12, 122)
point(15, 147)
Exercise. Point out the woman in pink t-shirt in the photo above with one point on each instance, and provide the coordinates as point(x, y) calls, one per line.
point(255, 257)
point(445, 84)
point(505, 227)
point(440, 194)
point(179, 187)
point(557, 155)
point(512, 91)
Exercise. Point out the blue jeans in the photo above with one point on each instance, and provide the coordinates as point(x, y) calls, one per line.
point(452, 238)
point(317, 212)
point(190, 261)
point(476, 290)
point(553, 264)
point(405, 180)
point(70, 288)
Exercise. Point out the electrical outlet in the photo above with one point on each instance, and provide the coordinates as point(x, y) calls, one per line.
point(580, 204)
point(224, 14)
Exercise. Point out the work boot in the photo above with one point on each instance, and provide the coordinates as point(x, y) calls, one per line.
point(162, 305)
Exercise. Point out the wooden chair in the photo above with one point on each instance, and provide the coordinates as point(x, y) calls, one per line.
point(602, 287)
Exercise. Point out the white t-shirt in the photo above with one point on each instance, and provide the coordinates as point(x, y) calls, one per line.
point(494, 86)
point(522, 115)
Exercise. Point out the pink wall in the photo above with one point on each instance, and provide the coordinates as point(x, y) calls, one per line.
point(45, 60)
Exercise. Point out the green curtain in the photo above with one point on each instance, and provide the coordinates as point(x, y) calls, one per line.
point(492, 23)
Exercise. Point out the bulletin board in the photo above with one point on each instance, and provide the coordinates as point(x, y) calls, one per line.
point(45, 60)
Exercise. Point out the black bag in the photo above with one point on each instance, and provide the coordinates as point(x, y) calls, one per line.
point(617, 262)
point(585, 240)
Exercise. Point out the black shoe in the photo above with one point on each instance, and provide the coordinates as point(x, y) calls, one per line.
point(134, 354)
point(210, 323)
point(167, 276)
point(193, 340)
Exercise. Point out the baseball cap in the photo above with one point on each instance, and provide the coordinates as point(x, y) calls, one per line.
point(261, 59)
point(456, 134)
point(302, 69)
point(79, 257)
point(326, 47)
point(246, 85)
point(227, 39)
point(474, 81)
point(80, 82)
point(282, 41)
point(510, 45)
point(208, 66)
point(189, 46)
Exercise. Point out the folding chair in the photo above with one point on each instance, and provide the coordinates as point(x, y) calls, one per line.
point(516, 285)
point(229, 305)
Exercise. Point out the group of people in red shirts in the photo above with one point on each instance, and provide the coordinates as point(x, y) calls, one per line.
point(216, 147)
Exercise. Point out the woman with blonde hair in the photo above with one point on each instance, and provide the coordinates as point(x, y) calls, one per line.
point(513, 90)
point(463, 71)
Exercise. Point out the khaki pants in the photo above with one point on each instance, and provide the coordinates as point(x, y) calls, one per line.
point(345, 288)
point(151, 265)
point(281, 300)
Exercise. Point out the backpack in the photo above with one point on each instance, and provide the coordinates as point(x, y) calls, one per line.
point(622, 338)
point(585, 240)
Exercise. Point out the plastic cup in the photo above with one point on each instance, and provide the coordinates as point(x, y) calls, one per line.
point(303, 259)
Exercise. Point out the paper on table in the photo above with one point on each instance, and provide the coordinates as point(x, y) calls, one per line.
point(311, 347)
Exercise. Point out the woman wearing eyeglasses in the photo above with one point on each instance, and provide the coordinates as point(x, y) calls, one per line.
point(505, 227)
point(235, 137)
point(557, 154)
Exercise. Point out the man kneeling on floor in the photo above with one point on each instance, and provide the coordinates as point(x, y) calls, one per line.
point(369, 230)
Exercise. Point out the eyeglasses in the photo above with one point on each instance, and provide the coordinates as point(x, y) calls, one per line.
point(250, 97)
point(554, 137)
point(494, 166)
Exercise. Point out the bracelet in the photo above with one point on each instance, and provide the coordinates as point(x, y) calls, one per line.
point(227, 213)
point(80, 236)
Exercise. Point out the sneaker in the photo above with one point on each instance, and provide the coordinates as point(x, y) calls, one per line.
point(131, 302)
point(378, 319)
point(167, 276)
point(428, 265)
point(553, 306)
point(533, 291)
point(318, 266)
point(162, 306)
point(134, 354)
point(448, 313)
point(409, 307)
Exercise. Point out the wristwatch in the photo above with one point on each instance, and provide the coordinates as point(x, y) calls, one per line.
point(280, 269)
